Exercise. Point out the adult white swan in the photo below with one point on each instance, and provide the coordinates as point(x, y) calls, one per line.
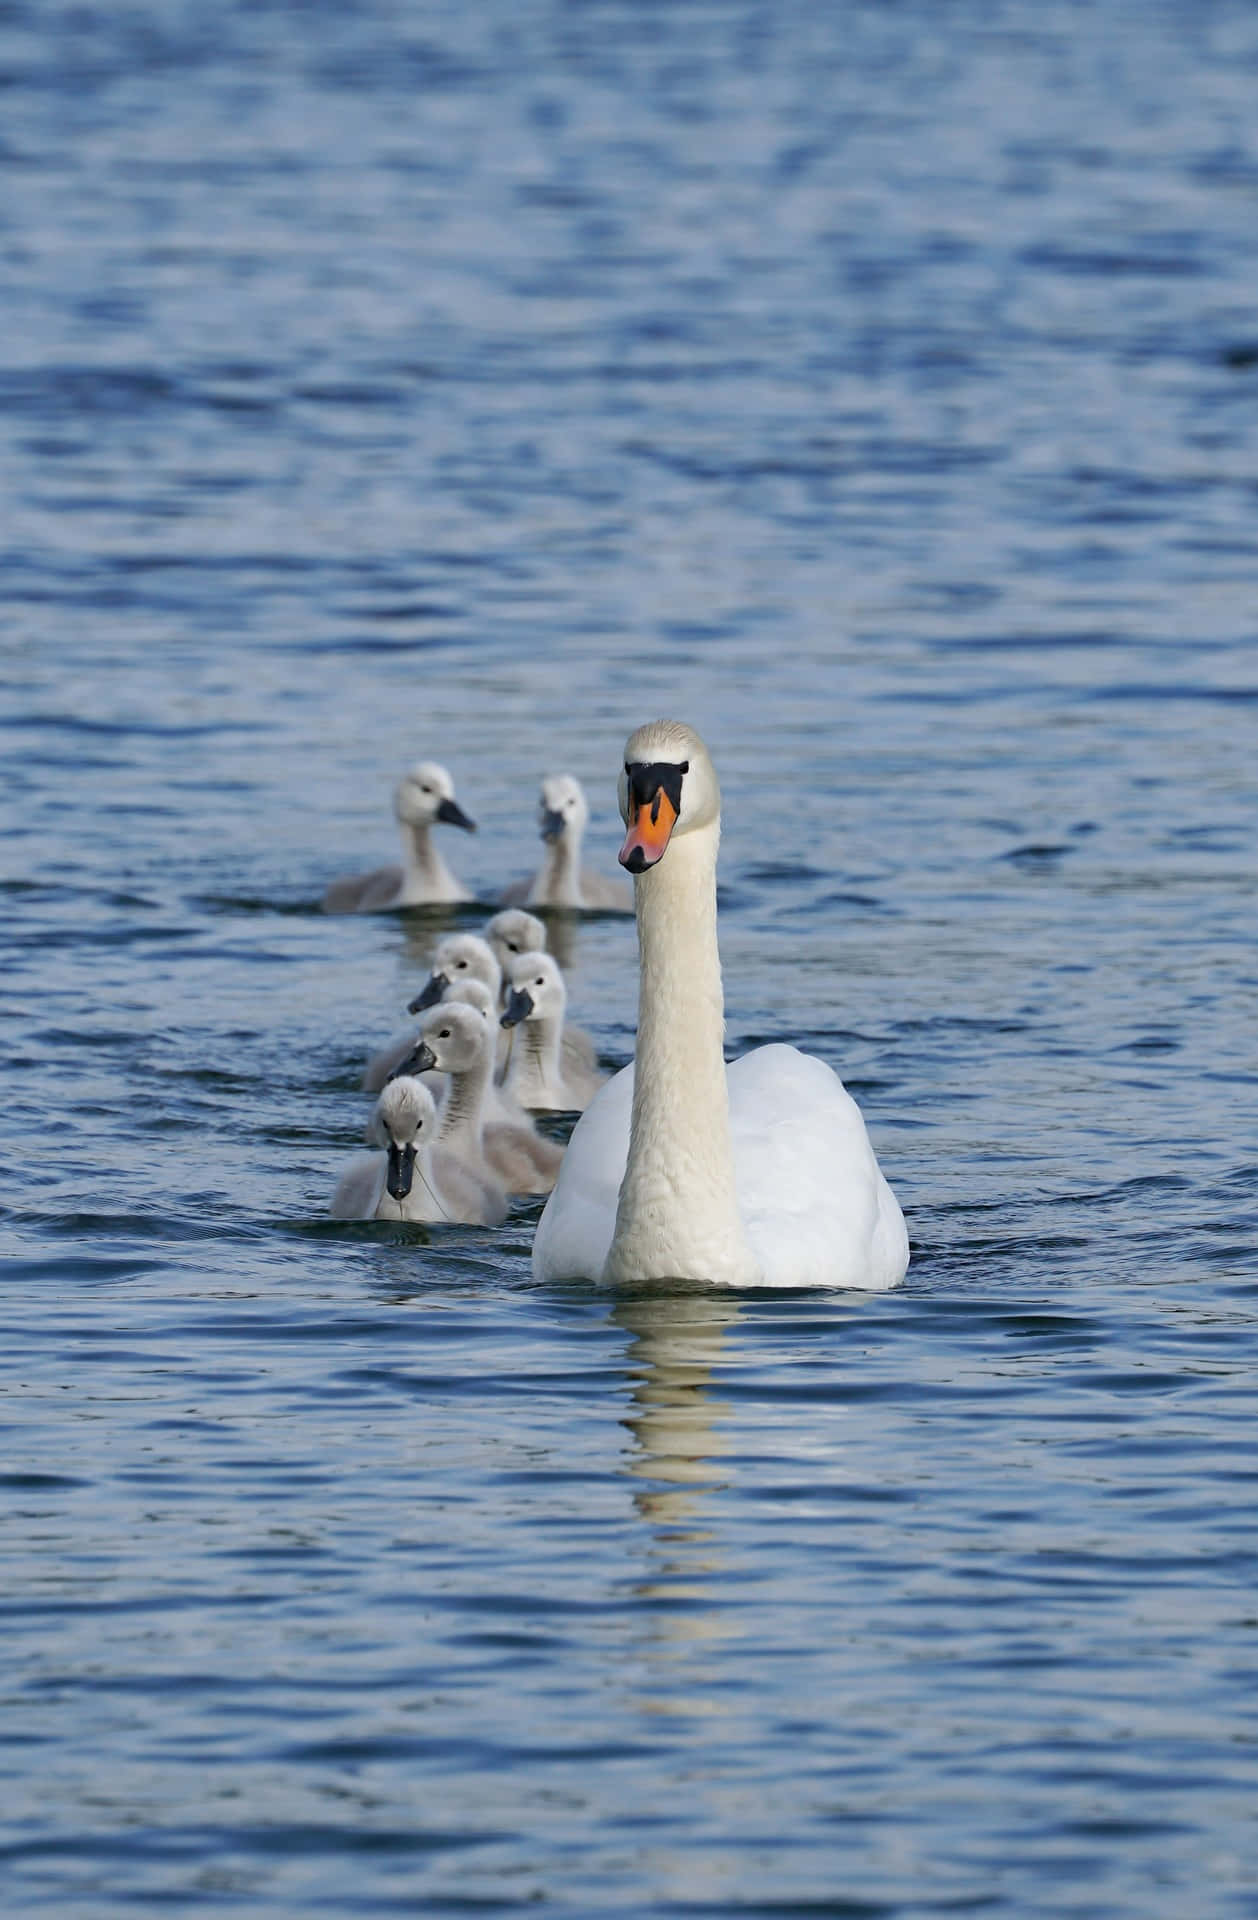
point(759, 1174)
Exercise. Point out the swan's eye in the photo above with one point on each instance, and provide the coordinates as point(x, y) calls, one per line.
point(539, 982)
point(684, 767)
point(425, 789)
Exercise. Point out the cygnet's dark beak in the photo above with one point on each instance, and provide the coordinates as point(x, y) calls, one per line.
point(519, 1006)
point(420, 1059)
point(552, 823)
point(428, 996)
point(401, 1169)
point(452, 813)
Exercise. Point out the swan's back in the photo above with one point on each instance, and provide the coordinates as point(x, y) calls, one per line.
point(815, 1205)
point(813, 1200)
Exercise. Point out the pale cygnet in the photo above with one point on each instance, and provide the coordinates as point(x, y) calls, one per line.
point(456, 1041)
point(561, 881)
point(458, 956)
point(540, 1074)
point(411, 1179)
point(422, 799)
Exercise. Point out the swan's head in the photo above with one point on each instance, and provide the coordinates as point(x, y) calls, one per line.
point(473, 993)
point(427, 794)
point(534, 989)
point(668, 786)
point(515, 931)
point(406, 1115)
point(460, 956)
point(452, 1039)
point(563, 808)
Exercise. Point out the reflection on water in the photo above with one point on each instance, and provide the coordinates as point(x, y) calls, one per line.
point(677, 1459)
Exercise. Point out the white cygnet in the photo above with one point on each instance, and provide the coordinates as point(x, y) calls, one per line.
point(424, 798)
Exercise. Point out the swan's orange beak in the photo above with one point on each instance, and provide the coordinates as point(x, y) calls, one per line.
point(650, 823)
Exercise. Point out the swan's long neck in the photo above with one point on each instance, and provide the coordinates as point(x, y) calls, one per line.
point(463, 1109)
point(537, 1065)
point(677, 1216)
point(426, 871)
point(559, 882)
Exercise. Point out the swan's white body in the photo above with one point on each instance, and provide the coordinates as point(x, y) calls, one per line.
point(561, 881)
point(424, 797)
point(759, 1174)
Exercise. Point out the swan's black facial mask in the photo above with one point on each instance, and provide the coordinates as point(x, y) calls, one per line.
point(654, 804)
point(401, 1170)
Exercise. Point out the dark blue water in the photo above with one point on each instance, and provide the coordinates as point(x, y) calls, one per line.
point(877, 389)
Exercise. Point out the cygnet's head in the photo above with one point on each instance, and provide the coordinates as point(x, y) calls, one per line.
point(459, 956)
point(563, 809)
point(426, 794)
point(406, 1116)
point(453, 1038)
point(514, 931)
point(668, 786)
point(469, 992)
point(534, 989)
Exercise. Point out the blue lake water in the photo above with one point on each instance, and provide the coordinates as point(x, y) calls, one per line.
point(877, 389)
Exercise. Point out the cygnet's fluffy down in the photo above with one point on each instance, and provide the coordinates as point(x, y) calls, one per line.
point(514, 931)
point(458, 956)
point(455, 1040)
point(424, 798)
point(561, 881)
point(390, 1061)
point(539, 1074)
point(412, 1179)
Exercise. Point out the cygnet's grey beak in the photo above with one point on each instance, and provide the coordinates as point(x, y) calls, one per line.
point(428, 996)
point(401, 1169)
point(452, 813)
point(420, 1059)
point(519, 1006)
point(552, 823)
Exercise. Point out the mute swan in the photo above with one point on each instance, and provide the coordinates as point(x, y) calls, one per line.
point(538, 1075)
point(757, 1175)
point(425, 796)
point(456, 1041)
point(561, 881)
point(412, 1179)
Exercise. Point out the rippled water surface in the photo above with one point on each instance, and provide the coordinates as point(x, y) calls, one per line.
point(876, 388)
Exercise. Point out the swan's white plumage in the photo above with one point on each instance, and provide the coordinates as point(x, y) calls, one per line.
point(813, 1200)
point(759, 1173)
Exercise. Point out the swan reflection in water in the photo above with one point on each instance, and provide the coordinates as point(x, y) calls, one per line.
point(676, 1461)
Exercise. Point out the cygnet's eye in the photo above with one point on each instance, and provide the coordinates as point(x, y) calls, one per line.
point(444, 1034)
point(511, 947)
point(461, 965)
point(539, 982)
